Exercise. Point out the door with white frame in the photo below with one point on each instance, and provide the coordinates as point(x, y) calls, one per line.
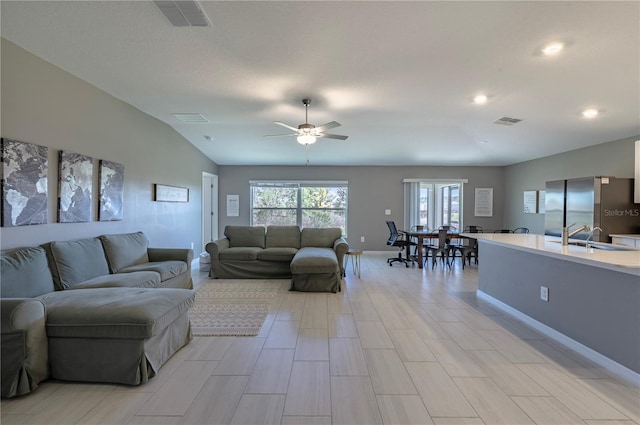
point(209, 208)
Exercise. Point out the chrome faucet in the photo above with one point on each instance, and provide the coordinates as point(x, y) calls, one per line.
point(566, 234)
point(591, 236)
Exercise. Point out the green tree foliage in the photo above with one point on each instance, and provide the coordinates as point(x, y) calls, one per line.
point(319, 206)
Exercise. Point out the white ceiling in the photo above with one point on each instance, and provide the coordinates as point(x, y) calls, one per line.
point(398, 76)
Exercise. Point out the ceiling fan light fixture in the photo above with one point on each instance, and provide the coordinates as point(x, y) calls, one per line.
point(306, 139)
point(552, 48)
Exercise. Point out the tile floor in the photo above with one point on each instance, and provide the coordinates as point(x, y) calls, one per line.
point(397, 346)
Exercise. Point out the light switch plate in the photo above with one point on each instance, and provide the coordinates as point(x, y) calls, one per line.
point(387, 212)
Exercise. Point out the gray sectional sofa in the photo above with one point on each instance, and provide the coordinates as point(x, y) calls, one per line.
point(313, 258)
point(105, 309)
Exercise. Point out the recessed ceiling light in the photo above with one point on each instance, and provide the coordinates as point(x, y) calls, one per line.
point(590, 113)
point(483, 142)
point(480, 99)
point(552, 48)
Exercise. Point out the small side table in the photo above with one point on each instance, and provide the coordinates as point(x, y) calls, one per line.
point(354, 254)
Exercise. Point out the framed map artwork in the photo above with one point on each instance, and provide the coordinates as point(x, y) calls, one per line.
point(75, 188)
point(24, 183)
point(111, 191)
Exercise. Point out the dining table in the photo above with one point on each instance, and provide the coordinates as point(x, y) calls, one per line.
point(421, 235)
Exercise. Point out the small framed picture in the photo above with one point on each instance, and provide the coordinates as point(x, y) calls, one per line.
point(165, 193)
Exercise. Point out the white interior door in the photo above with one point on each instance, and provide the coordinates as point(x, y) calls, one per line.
point(209, 208)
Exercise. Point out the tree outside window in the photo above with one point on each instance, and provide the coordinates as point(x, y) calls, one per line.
point(305, 204)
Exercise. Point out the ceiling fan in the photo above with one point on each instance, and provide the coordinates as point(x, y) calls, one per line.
point(308, 133)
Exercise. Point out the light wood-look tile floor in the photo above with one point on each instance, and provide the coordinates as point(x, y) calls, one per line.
point(397, 346)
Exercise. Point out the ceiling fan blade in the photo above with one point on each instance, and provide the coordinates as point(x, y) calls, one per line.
point(286, 125)
point(327, 126)
point(332, 136)
point(279, 135)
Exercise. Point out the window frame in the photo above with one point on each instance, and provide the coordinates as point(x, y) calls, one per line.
point(435, 201)
point(300, 185)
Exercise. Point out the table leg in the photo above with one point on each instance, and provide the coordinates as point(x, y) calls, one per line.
point(420, 241)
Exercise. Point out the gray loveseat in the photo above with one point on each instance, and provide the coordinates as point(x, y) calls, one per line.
point(312, 258)
point(104, 309)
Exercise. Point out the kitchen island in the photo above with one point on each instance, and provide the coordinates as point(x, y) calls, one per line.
point(592, 295)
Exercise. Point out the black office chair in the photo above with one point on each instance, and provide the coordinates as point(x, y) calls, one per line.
point(521, 230)
point(400, 240)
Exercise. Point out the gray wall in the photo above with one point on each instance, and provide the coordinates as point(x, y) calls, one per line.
point(614, 159)
point(595, 306)
point(45, 105)
point(371, 191)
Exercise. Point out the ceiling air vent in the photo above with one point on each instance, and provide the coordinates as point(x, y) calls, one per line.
point(183, 13)
point(191, 118)
point(507, 121)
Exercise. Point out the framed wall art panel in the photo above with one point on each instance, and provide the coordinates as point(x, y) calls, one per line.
point(111, 191)
point(75, 187)
point(24, 183)
point(165, 193)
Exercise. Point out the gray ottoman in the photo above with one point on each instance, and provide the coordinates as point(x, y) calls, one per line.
point(116, 335)
point(315, 270)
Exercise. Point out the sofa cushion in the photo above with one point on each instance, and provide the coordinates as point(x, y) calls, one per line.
point(247, 253)
point(315, 260)
point(323, 238)
point(114, 313)
point(241, 236)
point(283, 237)
point(277, 254)
point(117, 280)
point(166, 269)
point(125, 250)
point(76, 261)
point(24, 273)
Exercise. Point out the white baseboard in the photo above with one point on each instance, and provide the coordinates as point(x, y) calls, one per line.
point(614, 367)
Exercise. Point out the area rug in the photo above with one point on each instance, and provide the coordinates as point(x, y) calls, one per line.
point(233, 307)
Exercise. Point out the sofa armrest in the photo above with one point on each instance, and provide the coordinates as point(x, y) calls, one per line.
point(24, 345)
point(340, 246)
point(20, 314)
point(214, 248)
point(168, 254)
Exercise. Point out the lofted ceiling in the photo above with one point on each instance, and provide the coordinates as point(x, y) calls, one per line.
point(399, 76)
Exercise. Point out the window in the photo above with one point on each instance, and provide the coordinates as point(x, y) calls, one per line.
point(307, 204)
point(433, 203)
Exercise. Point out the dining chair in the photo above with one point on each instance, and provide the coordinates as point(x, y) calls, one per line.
point(467, 248)
point(400, 240)
point(521, 230)
point(448, 227)
point(420, 228)
point(443, 248)
point(473, 229)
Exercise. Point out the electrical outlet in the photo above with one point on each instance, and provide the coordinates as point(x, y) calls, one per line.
point(361, 238)
point(544, 293)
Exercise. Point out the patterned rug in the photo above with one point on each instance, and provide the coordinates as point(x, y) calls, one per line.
point(233, 307)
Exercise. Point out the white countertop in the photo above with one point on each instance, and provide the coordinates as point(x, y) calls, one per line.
point(627, 236)
point(622, 261)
